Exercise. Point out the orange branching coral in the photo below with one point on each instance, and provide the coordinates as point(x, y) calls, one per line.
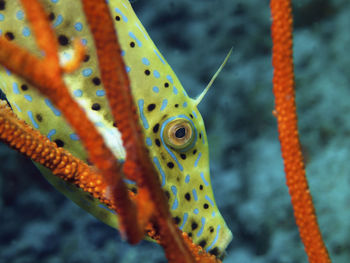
point(47, 77)
point(285, 111)
point(106, 183)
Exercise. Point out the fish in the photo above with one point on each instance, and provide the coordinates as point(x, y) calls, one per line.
point(172, 126)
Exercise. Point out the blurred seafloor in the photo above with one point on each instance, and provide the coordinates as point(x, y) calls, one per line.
point(37, 224)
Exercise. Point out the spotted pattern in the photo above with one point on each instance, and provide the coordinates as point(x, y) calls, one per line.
point(160, 98)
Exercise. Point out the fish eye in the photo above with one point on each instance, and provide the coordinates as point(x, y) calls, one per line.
point(179, 134)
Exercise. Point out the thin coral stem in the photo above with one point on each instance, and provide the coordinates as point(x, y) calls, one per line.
point(285, 111)
point(49, 82)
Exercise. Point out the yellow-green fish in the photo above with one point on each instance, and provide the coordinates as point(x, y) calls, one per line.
point(173, 128)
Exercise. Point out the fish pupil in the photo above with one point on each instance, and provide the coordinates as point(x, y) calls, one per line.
point(180, 133)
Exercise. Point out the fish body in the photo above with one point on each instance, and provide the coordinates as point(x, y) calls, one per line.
point(173, 128)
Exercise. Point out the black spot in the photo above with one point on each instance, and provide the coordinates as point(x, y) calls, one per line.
point(96, 106)
point(182, 155)
point(180, 133)
point(52, 16)
point(191, 116)
point(24, 87)
point(167, 194)
point(211, 229)
point(115, 124)
point(189, 234)
point(2, 5)
point(134, 190)
point(63, 40)
point(203, 243)
point(156, 128)
point(157, 141)
point(176, 105)
point(188, 196)
point(177, 220)
point(214, 251)
point(147, 72)
point(151, 107)
point(117, 18)
point(96, 81)
point(205, 206)
point(39, 117)
point(201, 187)
point(9, 36)
point(194, 225)
point(59, 143)
point(200, 135)
point(166, 85)
point(86, 58)
point(194, 151)
point(170, 165)
point(132, 44)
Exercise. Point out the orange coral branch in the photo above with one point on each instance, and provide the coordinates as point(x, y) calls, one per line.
point(138, 165)
point(283, 88)
point(50, 83)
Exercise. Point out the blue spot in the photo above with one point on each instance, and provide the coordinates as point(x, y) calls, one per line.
point(156, 74)
point(149, 141)
point(99, 124)
point(203, 141)
point(141, 103)
point(170, 79)
point(54, 110)
point(196, 162)
point(51, 132)
point(209, 200)
point(196, 211)
point(122, 15)
point(30, 114)
point(20, 15)
point(156, 162)
point(145, 61)
point(184, 220)
point(176, 202)
point(158, 55)
point(100, 93)
point(155, 89)
point(18, 108)
point(194, 192)
point(2, 17)
point(78, 26)
point(164, 103)
point(175, 90)
point(203, 179)
point(184, 92)
point(74, 137)
point(15, 88)
point(26, 32)
point(8, 72)
point(87, 72)
point(213, 214)
point(84, 41)
point(215, 239)
point(194, 114)
point(129, 181)
point(106, 208)
point(144, 35)
point(78, 93)
point(122, 53)
point(185, 104)
point(55, 1)
point(127, 69)
point(187, 179)
point(58, 21)
point(28, 98)
point(131, 34)
point(202, 227)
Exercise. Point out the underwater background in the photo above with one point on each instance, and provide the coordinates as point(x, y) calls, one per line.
point(38, 224)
